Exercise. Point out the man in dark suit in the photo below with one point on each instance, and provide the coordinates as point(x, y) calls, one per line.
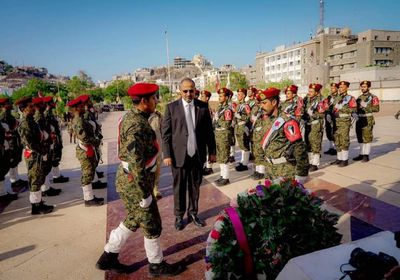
point(187, 135)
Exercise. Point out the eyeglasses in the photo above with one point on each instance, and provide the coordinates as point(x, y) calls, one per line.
point(188, 91)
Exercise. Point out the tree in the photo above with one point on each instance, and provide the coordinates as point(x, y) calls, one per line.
point(280, 85)
point(237, 81)
point(33, 87)
point(116, 90)
point(97, 94)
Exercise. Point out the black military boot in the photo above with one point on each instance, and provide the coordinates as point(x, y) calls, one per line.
point(99, 185)
point(19, 183)
point(109, 261)
point(41, 208)
point(231, 159)
point(359, 157)
point(100, 174)
point(241, 167)
point(336, 162)
point(254, 175)
point(331, 151)
point(313, 168)
point(219, 179)
point(343, 163)
point(207, 171)
point(96, 201)
point(222, 182)
point(164, 269)
point(51, 192)
point(9, 197)
point(365, 158)
point(60, 179)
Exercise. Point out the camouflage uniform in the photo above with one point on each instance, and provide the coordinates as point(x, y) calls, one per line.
point(314, 109)
point(294, 107)
point(56, 137)
point(85, 150)
point(367, 104)
point(15, 146)
point(138, 150)
point(155, 121)
point(4, 153)
point(343, 111)
point(284, 148)
point(330, 121)
point(242, 133)
point(259, 128)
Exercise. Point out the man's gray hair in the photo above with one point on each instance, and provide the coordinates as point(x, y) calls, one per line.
point(187, 79)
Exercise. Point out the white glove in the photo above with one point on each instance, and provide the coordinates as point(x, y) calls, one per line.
point(145, 203)
point(45, 135)
point(44, 158)
point(363, 104)
point(355, 116)
point(253, 118)
point(310, 112)
point(6, 145)
point(328, 118)
point(339, 106)
point(301, 179)
point(246, 131)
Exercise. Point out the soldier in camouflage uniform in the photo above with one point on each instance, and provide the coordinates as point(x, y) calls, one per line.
point(343, 111)
point(232, 139)
point(367, 104)
point(242, 112)
point(330, 120)
point(294, 104)
point(56, 138)
point(45, 128)
point(85, 151)
point(90, 117)
point(138, 149)
point(14, 143)
point(283, 145)
point(254, 108)
point(223, 134)
point(35, 154)
point(6, 136)
point(155, 121)
point(205, 96)
point(314, 109)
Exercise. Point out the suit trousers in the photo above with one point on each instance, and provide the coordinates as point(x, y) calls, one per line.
point(188, 177)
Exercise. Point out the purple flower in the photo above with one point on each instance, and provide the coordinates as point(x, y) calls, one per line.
point(260, 191)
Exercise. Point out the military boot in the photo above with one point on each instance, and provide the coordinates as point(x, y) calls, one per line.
point(219, 179)
point(163, 269)
point(19, 183)
point(51, 192)
point(343, 163)
point(41, 208)
point(359, 157)
point(241, 167)
point(365, 158)
point(222, 182)
point(96, 201)
point(336, 162)
point(109, 261)
point(313, 168)
point(60, 179)
point(331, 151)
point(99, 185)
point(207, 171)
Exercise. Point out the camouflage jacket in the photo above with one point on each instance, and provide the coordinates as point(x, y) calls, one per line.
point(44, 126)
point(84, 131)
point(31, 135)
point(54, 126)
point(314, 108)
point(90, 117)
point(138, 147)
point(13, 138)
point(242, 112)
point(367, 103)
point(294, 107)
point(332, 100)
point(345, 106)
point(283, 140)
point(223, 117)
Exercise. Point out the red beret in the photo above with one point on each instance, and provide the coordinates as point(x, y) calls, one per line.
point(292, 88)
point(197, 92)
point(4, 101)
point(244, 90)
point(317, 87)
point(253, 90)
point(84, 98)
point(48, 99)
point(368, 83)
point(335, 85)
point(74, 102)
point(142, 89)
point(344, 83)
point(23, 101)
point(225, 91)
point(206, 93)
point(268, 93)
point(37, 100)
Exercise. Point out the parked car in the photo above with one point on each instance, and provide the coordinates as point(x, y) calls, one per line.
point(106, 108)
point(117, 107)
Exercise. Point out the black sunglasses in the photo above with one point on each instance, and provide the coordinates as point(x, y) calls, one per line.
point(188, 91)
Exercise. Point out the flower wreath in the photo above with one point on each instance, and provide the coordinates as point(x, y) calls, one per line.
point(269, 225)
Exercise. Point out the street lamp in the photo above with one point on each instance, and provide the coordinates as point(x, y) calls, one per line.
point(169, 73)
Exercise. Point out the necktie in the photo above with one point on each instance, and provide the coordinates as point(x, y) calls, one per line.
point(191, 142)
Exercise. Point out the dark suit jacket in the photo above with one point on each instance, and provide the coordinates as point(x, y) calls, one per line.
point(175, 134)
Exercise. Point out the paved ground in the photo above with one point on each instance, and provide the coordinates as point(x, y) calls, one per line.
point(67, 243)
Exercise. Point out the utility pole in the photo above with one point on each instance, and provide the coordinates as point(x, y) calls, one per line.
point(168, 70)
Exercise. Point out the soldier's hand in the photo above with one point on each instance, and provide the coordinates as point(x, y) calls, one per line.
point(212, 158)
point(145, 202)
point(363, 104)
point(168, 161)
point(397, 116)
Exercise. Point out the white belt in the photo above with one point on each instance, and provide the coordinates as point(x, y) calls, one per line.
point(313, 122)
point(220, 128)
point(365, 115)
point(241, 123)
point(82, 146)
point(276, 160)
point(125, 166)
point(344, 115)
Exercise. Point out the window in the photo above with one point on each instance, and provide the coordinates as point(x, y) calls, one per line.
point(376, 37)
point(278, 57)
point(388, 38)
point(291, 63)
point(364, 39)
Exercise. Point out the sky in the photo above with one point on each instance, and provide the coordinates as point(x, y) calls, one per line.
point(105, 37)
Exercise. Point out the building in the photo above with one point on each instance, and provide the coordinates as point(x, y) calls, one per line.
point(328, 55)
point(180, 62)
point(201, 62)
point(250, 72)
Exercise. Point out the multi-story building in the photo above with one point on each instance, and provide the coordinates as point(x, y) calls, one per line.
point(250, 72)
point(180, 62)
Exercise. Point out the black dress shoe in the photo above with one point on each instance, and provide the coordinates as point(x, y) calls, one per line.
point(41, 208)
point(223, 182)
point(60, 179)
point(336, 162)
point(359, 157)
point(51, 192)
point(207, 171)
point(109, 261)
point(219, 179)
point(164, 269)
point(196, 221)
point(313, 168)
point(365, 158)
point(241, 167)
point(343, 163)
point(179, 225)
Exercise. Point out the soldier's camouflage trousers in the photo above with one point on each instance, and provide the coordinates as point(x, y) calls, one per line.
point(88, 166)
point(330, 128)
point(232, 139)
point(36, 171)
point(284, 170)
point(257, 151)
point(313, 136)
point(364, 127)
point(57, 154)
point(242, 138)
point(342, 136)
point(222, 139)
point(148, 219)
